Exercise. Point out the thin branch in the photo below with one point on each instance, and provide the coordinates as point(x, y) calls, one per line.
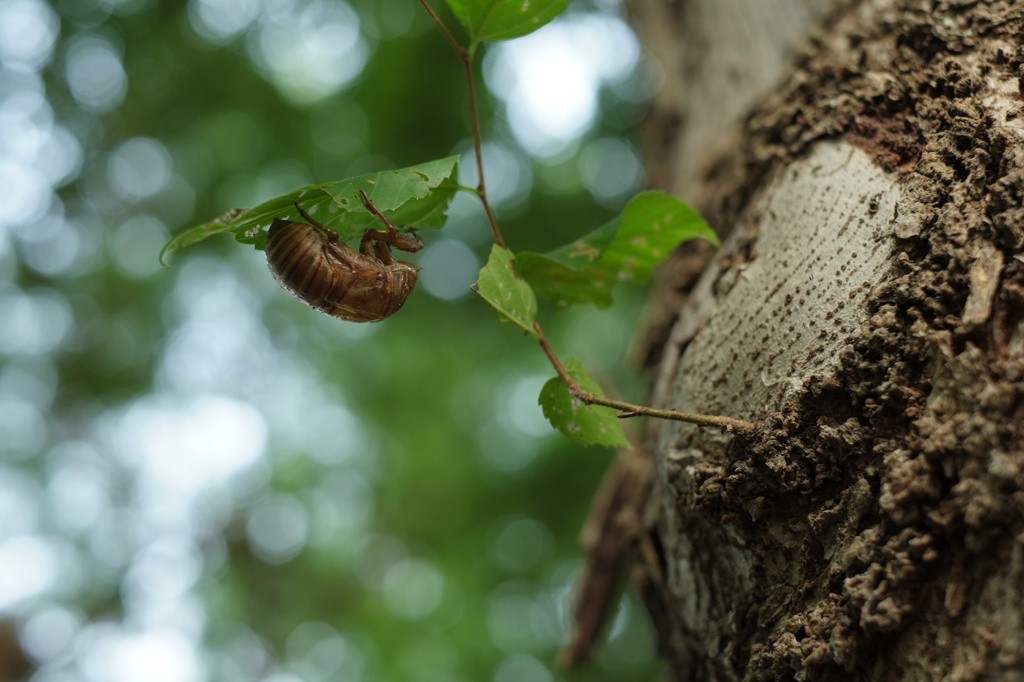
point(629, 409)
point(466, 57)
point(478, 148)
point(459, 50)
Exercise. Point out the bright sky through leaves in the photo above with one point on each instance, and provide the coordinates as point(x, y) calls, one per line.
point(550, 80)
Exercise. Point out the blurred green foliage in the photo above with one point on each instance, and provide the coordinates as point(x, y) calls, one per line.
point(220, 482)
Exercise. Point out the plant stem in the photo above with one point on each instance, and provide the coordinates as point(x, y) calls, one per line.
point(625, 409)
point(444, 29)
point(466, 57)
point(467, 63)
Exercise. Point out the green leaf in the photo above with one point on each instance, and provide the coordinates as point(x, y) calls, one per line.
point(627, 248)
point(586, 424)
point(411, 198)
point(505, 290)
point(490, 20)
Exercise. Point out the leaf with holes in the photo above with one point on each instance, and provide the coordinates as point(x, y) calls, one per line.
point(627, 248)
point(505, 290)
point(585, 424)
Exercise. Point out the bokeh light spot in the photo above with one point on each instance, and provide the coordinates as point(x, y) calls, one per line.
point(156, 655)
point(316, 651)
point(139, 168)
point(49, 633)
point(94, 73)
point(19, 510)
point(277, 528)
point(413, 588)
point(184, 447)
point(79, 488)
point(218, 21)
point(520, 544)
point(29, 565)
point(504, 449)
point(550, 79)
point(24, 192)
point(511, 620)
point(522, 668)
point(35, 322)
point(22, 426)
point(59, 156)
point(521, 408)
point(311, 56)
point(28, 29)
point(449, 268)
point(136, 246)
point(612, 170)
point(163, 570)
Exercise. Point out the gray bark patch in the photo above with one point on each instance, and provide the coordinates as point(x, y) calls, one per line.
point(784, 313)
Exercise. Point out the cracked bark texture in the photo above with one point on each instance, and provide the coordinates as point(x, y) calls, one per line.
point(864, 163)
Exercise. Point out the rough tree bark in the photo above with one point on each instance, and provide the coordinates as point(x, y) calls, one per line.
point(865, 163)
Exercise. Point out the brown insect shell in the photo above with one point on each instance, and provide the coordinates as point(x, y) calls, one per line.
point(367, 285)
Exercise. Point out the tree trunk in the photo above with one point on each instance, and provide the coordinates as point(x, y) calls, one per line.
point(865, 163)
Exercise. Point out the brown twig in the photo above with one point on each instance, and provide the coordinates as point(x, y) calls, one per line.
point(629, 409)
point(608, 539)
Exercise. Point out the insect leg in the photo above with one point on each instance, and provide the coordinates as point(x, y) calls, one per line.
point(404, 242)
point(375, 211)
point(331, 234)
point(375, 244)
